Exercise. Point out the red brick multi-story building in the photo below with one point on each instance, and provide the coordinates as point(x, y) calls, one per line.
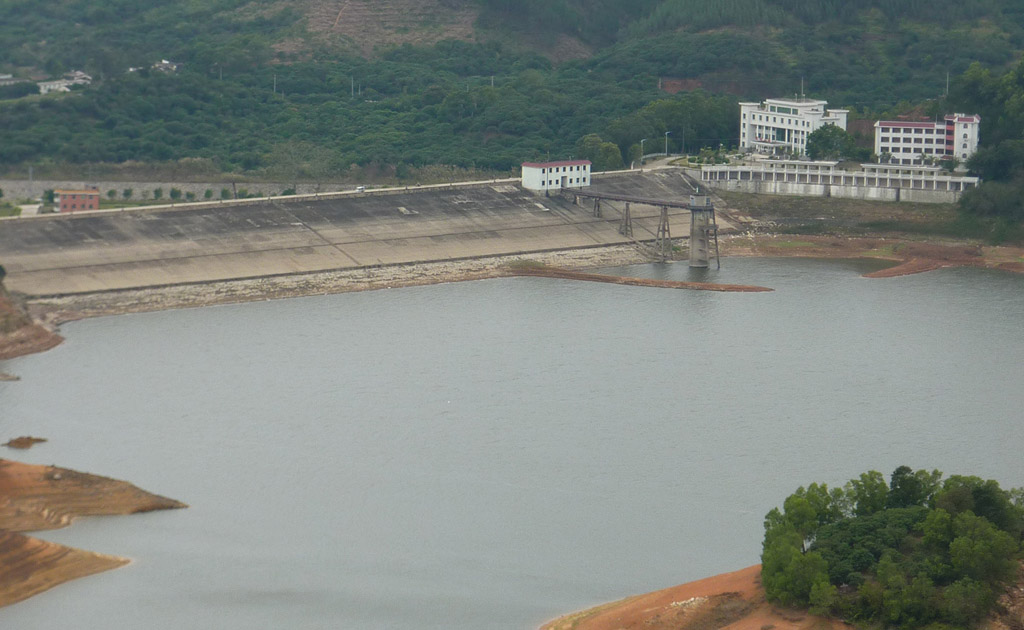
point(76, 200)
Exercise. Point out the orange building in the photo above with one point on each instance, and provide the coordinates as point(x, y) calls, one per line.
point(76, 200)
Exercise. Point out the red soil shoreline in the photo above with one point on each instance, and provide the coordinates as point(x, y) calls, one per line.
point(733, 601)
point(36, 497)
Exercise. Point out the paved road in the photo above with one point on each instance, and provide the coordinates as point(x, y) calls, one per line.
point(81, 254)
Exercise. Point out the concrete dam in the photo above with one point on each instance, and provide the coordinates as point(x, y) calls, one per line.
point(52, 255)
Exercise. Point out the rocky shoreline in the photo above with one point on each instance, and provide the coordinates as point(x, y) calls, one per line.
point(20, 334)
point(36, 333)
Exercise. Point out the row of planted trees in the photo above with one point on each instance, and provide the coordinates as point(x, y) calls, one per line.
point(914, 552)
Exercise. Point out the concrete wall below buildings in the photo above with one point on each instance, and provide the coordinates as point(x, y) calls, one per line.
point(871, 193)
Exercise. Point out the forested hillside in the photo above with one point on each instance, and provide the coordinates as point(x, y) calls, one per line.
point(470, 83)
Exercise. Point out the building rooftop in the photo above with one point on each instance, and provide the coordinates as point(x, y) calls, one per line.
point(967, 118)
point(905, 123)
point(797, 101)
point(553, 164)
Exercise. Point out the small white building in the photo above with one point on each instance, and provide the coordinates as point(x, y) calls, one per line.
point(903, 142)
point(556, 175)
point(782, 124)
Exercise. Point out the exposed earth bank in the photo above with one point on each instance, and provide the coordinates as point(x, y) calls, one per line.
point(19, 334)
point(730, 600)
point(36, 497)
point(909, 256)
point(736, 601)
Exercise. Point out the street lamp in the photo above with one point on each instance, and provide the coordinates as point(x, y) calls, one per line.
point(642, 152)
point(666, 142)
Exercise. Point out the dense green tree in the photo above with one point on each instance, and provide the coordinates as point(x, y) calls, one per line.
point(868, 493)
point(907, 488)
point(604, 156)
point(980, 550)
point(884, 556)
point(830, 142)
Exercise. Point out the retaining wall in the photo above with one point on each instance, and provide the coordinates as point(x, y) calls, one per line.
point(870, 193)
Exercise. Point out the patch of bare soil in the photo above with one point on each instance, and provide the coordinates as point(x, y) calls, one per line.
point(29, 566)
point(23, 442)
point(367, 24)
point(1009, 613)
point(36, 497)
point(673, 85)
point(19, 335)
point(731, 600)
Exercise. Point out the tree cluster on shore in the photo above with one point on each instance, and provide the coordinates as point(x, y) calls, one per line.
point(916, 552)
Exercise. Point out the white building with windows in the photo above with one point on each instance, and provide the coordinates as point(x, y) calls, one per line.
point(781, 125)
point(556, 175)
point(903, 142)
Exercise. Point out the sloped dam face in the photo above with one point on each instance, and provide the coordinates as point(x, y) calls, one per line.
point(493, 454)
point(54, 255)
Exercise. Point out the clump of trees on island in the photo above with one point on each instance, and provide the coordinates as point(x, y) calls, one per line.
point(916, 552)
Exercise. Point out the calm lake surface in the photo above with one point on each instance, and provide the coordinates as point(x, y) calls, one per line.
point(493, 454)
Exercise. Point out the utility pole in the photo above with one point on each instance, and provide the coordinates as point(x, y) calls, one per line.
point(275, 83)
point(666, 142)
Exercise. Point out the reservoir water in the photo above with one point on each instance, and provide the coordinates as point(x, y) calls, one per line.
point(492, 454)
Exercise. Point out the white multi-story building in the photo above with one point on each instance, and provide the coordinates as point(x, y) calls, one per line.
point(902, 142)
point(556, 175)
point(781, 125)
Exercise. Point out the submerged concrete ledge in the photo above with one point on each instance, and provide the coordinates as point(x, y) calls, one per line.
point(568, 274)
